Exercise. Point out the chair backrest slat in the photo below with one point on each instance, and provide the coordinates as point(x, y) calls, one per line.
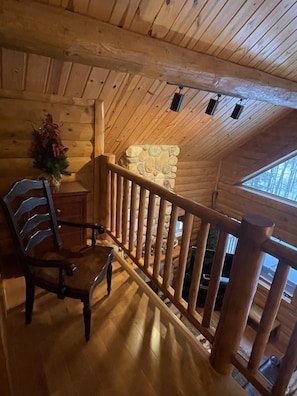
point(22, 187)
point(31, 215)
point(37, 238)
point(29, 205)
point(34, 222)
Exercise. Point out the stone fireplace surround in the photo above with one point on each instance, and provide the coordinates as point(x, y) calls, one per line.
point(157, 163)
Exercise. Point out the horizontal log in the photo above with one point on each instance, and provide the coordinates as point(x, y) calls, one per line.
point(284, 229)
point(22, 129)
point(19, 167)
point(78, 149)
point(21, 148)
point(23, 167)
point(196, 180)
point(285, 206)
point(35, 110)
point(194, 173)
point(46, 98)
point(77, 38)
point(203, 196)
point(81, 165)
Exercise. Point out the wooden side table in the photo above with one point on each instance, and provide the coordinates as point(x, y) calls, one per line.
point(71, 204)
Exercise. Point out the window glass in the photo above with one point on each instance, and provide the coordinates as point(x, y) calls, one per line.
point(269, 264)
point(280, 180)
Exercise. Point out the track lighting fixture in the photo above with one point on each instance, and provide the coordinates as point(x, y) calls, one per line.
point(212, 105)
point(237, 110)
point(177, 100)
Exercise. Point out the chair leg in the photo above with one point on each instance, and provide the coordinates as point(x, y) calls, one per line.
point(108, 277)
point(30, 291)
point(87, 319)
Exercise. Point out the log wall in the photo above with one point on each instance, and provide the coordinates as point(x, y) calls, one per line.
point(196, 180)
point(19, 113)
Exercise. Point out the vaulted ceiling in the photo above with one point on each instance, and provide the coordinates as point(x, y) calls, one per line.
point(125, 51)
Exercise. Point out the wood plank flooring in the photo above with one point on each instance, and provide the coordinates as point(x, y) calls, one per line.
point(136, 348)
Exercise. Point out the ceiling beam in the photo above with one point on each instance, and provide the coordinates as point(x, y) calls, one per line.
point(61, 34)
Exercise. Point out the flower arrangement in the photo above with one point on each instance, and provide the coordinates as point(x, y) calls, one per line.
point(48, 151)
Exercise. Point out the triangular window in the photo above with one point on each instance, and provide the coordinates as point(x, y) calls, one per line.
point(280, 180)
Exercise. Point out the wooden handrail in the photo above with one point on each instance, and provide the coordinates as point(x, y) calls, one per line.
point(141, 216)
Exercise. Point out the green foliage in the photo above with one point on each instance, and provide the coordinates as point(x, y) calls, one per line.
point(48, 151)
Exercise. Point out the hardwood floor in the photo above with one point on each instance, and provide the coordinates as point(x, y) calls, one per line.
point(136, 348)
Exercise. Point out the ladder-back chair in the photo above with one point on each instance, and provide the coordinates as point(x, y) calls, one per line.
point(74, 272)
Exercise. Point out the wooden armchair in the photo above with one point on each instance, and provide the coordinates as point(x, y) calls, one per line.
point(74, 273)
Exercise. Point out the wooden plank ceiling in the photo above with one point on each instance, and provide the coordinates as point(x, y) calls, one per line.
point(259, 34)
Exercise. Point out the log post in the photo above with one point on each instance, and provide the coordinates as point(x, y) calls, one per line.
point(98, 150)
point(103, 203)
point(240, 290)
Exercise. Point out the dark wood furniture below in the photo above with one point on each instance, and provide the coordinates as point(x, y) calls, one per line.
point(68, 272)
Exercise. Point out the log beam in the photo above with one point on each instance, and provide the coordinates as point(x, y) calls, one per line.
point(61, 34)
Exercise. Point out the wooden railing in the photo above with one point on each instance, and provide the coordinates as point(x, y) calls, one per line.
point(136, 211)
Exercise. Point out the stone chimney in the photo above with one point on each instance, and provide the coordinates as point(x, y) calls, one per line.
point(156, 163)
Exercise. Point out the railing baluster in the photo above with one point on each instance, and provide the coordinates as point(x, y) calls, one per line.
point(269, 315)
point(214, 283)
point(149, 230)
point(197, 270)
point(119, 206)
point(113, 202)
point(169, 249)
point(125, 210)
point(108, 200)
point(132, 217)
point(159, 239)
point(140, 226)
point(185, 244)
point(287, 367)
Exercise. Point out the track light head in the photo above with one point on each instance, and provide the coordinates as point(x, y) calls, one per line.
point(212, 105)
point(237, 110)
point(177, 101)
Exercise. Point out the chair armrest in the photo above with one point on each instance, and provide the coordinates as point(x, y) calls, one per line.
point(94, 227)
point(68, 267)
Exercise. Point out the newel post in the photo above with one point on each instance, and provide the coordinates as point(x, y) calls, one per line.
point(240, 290)
point(103, 201)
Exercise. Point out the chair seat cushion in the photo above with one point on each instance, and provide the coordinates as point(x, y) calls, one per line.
point(91, 263)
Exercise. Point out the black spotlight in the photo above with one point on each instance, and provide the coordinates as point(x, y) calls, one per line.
point(237, 110)
point(212, 105)
point(177, 101)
